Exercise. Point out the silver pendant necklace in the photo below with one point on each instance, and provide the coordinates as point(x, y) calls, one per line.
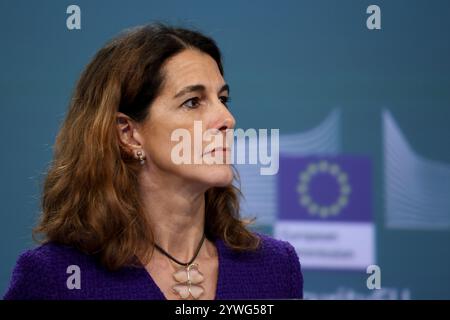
point(188, 277)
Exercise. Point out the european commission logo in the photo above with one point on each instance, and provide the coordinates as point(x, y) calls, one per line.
point(334, 188)
point(325, 210)
point(311, 197)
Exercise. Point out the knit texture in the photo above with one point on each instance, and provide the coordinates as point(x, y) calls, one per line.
point(271, 272)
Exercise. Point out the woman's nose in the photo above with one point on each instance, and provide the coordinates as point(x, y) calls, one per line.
point(225, 120)
point(227, 123)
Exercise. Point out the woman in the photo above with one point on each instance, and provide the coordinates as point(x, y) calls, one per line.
point(113, 193)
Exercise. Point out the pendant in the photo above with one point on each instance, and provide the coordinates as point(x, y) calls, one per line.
point(188, 279)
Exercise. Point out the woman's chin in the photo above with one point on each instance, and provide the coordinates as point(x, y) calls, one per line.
point(218, 175)
point(207, 176)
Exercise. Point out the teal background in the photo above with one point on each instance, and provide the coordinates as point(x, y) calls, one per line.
point(289, 63)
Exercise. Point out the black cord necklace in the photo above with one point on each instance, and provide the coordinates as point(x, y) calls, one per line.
point(177, 261)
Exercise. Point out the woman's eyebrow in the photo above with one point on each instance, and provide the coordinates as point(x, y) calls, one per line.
point(199, 87)
point(189, 89)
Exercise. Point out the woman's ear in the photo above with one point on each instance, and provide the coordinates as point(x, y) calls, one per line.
point(129, 138)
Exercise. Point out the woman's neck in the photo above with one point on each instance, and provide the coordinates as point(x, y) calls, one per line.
point(176, 214)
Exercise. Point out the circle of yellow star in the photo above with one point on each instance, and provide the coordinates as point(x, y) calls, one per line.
point(305, 199)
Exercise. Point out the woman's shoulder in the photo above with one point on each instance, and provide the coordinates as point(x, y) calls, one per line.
point(274, 268)
point(275, 249)
point(269, 249)
point(50, 255)
point(39, 271)
point(273, 246)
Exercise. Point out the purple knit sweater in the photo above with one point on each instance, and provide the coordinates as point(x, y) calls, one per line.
point(272, 272)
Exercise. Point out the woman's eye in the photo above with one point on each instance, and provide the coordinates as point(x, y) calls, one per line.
point(225, 100)
point(192, 103)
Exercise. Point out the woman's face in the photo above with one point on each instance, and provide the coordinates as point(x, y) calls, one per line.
point(193, 90)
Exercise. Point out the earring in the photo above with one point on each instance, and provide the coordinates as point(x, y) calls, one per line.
point(141, 157)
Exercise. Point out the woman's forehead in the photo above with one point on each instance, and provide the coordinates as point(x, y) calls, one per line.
point(191, 67)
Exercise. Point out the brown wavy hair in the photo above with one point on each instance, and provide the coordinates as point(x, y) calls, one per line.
point(90, 197)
